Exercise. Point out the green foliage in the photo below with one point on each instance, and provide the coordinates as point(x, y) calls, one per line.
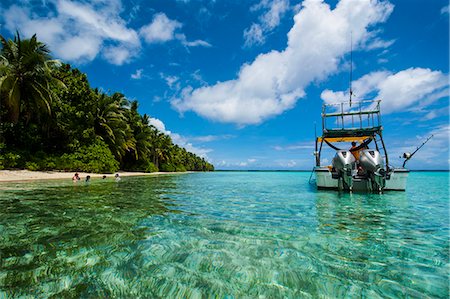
point(151, 167)
point(32, 166)
point(26, 78)
point(93, 158)
point(70, 126)
point(10, 160)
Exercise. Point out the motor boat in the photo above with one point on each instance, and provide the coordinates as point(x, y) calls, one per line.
point(360, 168)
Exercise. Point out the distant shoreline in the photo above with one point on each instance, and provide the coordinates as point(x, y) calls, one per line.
point(27, 175)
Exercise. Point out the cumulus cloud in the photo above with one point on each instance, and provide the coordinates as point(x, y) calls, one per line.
point(413, 88)
point(184, 142)
point(273, 12)
point(158, 124)
point(275, 81)
point(77, 31)
point(162, 29)
point(81, 31)
point(179, 139)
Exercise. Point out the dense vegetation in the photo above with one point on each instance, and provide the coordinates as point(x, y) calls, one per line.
point(50, 118)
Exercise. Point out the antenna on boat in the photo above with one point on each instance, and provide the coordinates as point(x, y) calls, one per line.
point(351, 66)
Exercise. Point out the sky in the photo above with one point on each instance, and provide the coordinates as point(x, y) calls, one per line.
point(242, 83)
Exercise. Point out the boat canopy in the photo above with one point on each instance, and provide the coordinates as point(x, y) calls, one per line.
point(360, 120)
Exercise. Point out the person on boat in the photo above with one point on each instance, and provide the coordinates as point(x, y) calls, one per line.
point(76, 177)
point(117, 177)
point(355, 152)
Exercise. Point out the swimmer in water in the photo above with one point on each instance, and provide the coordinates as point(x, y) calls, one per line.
point(76, 178)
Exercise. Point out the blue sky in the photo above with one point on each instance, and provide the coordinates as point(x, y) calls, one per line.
point(242, 82)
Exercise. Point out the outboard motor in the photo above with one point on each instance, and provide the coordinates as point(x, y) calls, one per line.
point(372, 162)
point(344, 162)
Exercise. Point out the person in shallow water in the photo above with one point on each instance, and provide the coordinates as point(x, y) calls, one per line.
point(76, 177)
point(117, 177)
point(88, 179)
point(104, 177)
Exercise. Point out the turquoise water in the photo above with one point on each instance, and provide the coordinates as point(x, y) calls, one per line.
point(223, 235)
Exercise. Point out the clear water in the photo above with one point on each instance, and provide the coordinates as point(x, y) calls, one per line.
point(223, 235)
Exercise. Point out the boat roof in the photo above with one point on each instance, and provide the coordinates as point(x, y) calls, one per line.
point(352, 120)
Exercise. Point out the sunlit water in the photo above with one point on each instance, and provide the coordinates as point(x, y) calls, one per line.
point(223, 235)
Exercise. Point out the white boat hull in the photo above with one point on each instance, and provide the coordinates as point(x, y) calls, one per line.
point(395, 181)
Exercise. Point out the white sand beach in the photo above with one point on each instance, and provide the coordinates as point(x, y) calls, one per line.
point(26, 175)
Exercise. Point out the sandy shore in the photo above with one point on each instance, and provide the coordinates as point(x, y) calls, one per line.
point(26, 175)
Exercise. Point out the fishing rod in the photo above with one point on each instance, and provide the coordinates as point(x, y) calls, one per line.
point(408, 156)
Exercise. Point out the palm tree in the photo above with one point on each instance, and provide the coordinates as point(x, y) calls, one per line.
point(26, 78)
point(111, 123)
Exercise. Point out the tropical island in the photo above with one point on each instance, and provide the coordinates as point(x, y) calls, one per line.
point(52, 119)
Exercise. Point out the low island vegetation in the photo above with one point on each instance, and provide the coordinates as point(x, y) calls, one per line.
point(52, 119)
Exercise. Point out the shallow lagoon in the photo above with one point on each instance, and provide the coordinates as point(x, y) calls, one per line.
point(223, 234)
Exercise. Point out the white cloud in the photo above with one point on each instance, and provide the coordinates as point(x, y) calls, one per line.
point(434, 155)
point(378, 43)
point(78, 47)
point(108, 24)
point(274, 81)
point(195, 43)
point(274, 11)
point(77, 31)
point(445, 10)
point(436, 113)
point(158, 124)
point(254, 36)
point(246, 163)
point(180, 140)
point(117, 55)
point(81, 31)
point(161, 29)
point(137, 75)
point(171, 81)
point(184, 142)
point(287, 164)
point(413, 88)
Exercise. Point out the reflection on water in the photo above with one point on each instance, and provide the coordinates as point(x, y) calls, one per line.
point(222, 235)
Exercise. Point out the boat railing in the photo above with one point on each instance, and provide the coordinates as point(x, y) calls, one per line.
point(351, 116)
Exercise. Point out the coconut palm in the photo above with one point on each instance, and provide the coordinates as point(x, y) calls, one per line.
point(26, 78)
point(111, 123)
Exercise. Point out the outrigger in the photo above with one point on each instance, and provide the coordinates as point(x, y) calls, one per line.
point(357, 122)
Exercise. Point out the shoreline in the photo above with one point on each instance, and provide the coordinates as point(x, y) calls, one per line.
point(27, 175)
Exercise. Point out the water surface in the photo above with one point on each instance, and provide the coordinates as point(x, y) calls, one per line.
point(225, 235)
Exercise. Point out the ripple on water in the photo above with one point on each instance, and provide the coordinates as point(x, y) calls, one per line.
point(224, 235)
